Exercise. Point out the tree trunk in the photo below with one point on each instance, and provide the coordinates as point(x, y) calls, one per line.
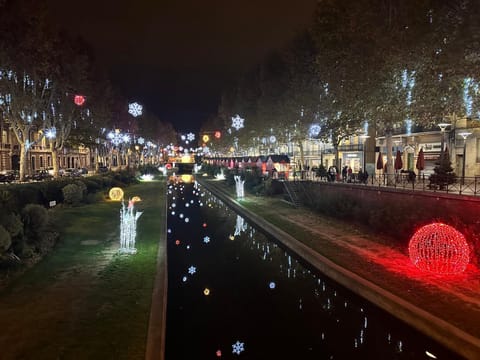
point(23, 161)
point(390, 170)
point(302, 155)
point(54, 151)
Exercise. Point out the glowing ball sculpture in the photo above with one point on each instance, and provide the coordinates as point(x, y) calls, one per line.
point(116, 194)
point(439, 248)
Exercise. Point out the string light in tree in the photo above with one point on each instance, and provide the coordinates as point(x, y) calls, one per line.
point(135, 109)
point(237, 122)
point(439, 248)
point(51, 133)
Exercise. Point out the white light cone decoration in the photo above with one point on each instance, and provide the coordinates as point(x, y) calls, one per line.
point(220, 176)
point(239, 185)
point(128, 228)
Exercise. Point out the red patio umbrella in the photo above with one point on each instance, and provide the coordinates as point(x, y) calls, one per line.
point(380, 161)
point(398, 161)
point(420, 160)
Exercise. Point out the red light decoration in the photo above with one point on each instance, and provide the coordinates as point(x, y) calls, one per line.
point(204, 225)
point(79, 100)
point(218, 134)
point(177, 242)
point(439, 248)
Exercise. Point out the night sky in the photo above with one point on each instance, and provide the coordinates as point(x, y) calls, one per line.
point(175, 57)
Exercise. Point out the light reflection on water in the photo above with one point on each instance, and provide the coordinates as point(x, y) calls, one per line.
point(241, 294)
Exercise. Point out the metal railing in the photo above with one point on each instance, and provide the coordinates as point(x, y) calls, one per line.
point(459, 186)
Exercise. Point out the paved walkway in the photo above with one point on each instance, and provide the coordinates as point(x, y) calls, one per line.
point(445, 308)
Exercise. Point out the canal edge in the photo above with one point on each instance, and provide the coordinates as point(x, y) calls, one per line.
point(452, 337)
point(157, 323)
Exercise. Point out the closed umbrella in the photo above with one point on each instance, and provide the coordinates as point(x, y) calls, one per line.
point(380, 161)
point(398, 161)
point(420, 160)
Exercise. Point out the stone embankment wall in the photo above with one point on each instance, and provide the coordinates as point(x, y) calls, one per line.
point(396, 213)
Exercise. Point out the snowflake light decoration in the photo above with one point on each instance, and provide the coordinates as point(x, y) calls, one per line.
point(190, 137)
point(238, 347)
point(206, 239)
point(192, 270)
point(141, 141)
point(314, 130)
point(237, 122)
point(135, 109)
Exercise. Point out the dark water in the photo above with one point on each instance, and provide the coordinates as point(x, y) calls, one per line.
point(262, 302)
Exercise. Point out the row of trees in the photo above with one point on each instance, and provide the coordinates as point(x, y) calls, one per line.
point(41, 72)
point(383, 63)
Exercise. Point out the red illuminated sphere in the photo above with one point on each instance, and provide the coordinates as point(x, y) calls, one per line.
point(79, 100)
point(439, 248)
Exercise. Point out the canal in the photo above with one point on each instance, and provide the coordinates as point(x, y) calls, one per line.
point(235, 292)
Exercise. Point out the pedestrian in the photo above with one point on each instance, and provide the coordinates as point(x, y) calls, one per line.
point(344, 173)
point(349, 174)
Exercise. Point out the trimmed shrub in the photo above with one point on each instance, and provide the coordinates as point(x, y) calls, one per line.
point(72, 194)
point(35, 221)
point(5, 240)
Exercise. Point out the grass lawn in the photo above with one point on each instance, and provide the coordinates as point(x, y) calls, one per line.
point(84, 300)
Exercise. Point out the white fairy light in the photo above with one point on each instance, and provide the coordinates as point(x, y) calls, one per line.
point(51, 133)
point(135, 109)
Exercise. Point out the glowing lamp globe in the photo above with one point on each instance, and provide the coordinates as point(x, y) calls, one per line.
point(116, 194)
point(439, 248)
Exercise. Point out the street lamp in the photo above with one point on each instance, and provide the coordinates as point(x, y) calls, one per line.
point(443, 127)
point(464, 135)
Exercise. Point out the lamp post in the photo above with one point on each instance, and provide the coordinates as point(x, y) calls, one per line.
point(464, 135)
point(364, 140)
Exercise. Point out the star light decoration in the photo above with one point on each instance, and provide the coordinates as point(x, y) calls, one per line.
point(206, 239)
point(192, 270)
point(237, 122)
point(238, 347)
point(135, 109)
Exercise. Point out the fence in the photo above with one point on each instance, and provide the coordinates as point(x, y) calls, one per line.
point(461, 186)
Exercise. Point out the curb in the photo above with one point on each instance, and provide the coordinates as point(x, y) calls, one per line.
point(155, 349)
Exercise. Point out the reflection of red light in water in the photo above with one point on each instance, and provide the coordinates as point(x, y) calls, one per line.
point(219, 353)
point(439, 248)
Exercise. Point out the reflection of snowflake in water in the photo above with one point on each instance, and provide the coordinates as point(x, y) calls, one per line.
point(192, 270)
point(206, 239)
point(238, 347)
point(237, 122)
